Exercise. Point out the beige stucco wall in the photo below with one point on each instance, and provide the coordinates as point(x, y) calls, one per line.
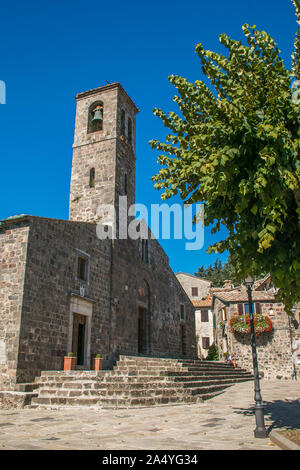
point(188, 281)
point(204, 329)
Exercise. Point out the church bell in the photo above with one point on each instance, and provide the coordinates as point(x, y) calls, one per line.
point(98, 116)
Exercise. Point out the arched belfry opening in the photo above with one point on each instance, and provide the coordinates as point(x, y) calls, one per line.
point(144, 319)
point(95, 117)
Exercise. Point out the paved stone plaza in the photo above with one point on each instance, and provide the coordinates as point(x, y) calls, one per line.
point(224, 422)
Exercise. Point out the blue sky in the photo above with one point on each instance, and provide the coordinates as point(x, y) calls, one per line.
point(52, 50)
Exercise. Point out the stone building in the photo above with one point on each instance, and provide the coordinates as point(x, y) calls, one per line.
point(62, 288)
point(198, 291)
point(275, 349)
point(205, 325)
point(195, 287)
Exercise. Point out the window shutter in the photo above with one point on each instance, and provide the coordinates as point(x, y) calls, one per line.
point(258, 308)
point(195, 291)
point(204, 315)
point(240, 309)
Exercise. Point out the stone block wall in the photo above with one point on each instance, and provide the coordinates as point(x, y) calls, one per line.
point(36, 300)
point(13, 250)
point(50, 279)
point(274, 350)
point(204, 329)
point(188, 281)
point(166, 295)
point(107, 151)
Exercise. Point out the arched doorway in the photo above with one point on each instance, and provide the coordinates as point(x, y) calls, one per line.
point(143, 323)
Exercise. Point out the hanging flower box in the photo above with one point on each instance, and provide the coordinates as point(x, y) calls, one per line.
point(241, 324)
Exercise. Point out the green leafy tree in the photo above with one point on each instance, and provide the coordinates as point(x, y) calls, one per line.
point(213, 353)
point(218, 273)
point(235, 147)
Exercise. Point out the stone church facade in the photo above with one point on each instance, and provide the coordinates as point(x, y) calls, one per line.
point(63, 289)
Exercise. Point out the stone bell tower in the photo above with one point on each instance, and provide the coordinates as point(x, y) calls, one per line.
point(103, 166)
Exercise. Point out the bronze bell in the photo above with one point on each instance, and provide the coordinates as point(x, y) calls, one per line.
point(98, 115)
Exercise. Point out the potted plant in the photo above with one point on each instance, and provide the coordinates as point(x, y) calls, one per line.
point(70, 361)
point(98, 361)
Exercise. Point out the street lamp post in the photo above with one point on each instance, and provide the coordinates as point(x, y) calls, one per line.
point(260, 430)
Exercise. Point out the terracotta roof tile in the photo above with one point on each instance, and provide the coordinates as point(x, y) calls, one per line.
point(202, 303)
point(224, 289)
point(242, 296)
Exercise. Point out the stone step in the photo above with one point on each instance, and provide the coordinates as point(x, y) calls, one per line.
point(141, 374)
point(133, 360)
point(112, 403)
point(109, 385)
point(233, 372)
point(137, 381)
point(133, 399)
point(74, 373)
point(179, 364)
point(170, 373)
point(126, 385)
point(198, 378)
point(162, 367)
point(162, 363)
point(76, 382)
point(134, 390)
point(206, 367)
point(147, 366)
point(45, 393)
point(141, 359)
point(123, 358)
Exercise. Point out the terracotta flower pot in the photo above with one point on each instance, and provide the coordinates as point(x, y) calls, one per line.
point(70, 362)
point(97, 363)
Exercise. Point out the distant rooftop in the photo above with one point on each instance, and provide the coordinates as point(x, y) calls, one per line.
point(195, 277)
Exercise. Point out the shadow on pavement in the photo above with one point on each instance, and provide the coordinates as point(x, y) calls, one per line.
point(282, 413)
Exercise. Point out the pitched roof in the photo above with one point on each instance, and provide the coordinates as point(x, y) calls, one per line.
point(259, 282)
point(195, 277)
point(202, 303)
point(224, 289)
point(242, 296)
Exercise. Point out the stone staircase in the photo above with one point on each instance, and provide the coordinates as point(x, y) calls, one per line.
point(137, 382)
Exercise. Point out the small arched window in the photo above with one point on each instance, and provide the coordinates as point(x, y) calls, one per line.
point(95, 117)
point(129, 131)
point(92, 177)
point(122, 129)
